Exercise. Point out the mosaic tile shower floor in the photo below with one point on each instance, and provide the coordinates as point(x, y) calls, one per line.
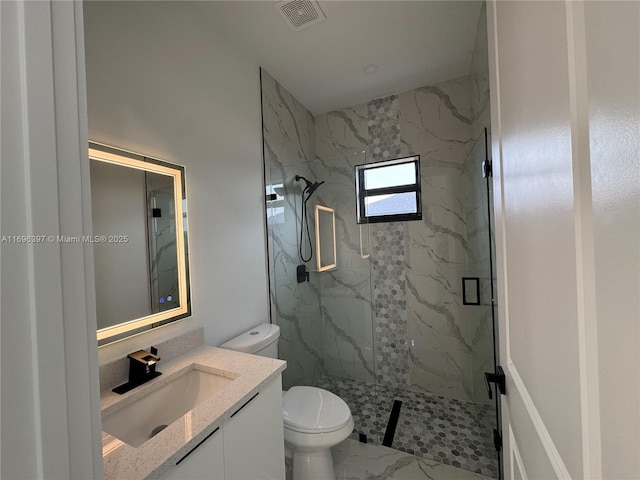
point(446, 430)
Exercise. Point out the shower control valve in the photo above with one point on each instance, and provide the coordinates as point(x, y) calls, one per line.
point(302, 274)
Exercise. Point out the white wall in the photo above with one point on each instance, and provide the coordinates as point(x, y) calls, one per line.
point(163, 84)
point(612, 31)
point(49, 401)
point(565, 126)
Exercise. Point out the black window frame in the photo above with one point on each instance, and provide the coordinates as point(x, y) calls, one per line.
point(362, 193)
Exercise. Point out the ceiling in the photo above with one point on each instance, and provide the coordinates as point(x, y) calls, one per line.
point(413, 43)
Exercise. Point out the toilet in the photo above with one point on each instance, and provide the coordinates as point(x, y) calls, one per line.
point(314, 419)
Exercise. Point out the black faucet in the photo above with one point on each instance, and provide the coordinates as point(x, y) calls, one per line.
point(142, 368)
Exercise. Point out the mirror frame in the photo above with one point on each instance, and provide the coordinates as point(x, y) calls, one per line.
point(104, 153)
point(318, 209)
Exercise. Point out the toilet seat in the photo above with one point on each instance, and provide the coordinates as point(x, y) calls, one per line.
point(314, 410)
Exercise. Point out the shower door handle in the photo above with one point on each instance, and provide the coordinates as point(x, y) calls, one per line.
point(498, 378)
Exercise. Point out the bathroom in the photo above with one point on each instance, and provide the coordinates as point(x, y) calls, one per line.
point(441, 173)
point(151, 92)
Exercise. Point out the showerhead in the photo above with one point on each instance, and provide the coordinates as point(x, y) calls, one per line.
point(311, 187)
point(314, 187)
point(300, 177)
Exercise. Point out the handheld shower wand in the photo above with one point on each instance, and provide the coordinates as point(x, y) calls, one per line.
point(308, 191)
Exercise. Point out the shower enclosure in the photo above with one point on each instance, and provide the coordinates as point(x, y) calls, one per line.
point(387, 329)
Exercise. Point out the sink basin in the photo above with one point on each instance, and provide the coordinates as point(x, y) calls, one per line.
point(139, 421)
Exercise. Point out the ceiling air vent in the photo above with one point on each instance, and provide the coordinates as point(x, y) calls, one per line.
point(300, 14)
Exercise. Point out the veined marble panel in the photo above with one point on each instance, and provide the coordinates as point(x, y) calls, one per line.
point(440, 238)
point(440, 341)
point(436, 121)
point(341, 133)
point(432, 302)
point(289, 145)
point(298, 307)
point(436, 259)
point(479, 73)
point(288, 126)
point(357, 461)
point(482, 346)
point(348, 337)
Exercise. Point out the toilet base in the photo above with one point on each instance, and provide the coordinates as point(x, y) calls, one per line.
point(316, 465)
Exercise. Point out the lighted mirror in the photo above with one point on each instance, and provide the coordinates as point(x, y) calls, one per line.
point(325, 238)
point(139, 242)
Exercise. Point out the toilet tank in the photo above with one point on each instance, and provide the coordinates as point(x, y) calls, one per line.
point(260, 340)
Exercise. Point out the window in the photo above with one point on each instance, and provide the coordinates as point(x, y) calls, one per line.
point(389, 191)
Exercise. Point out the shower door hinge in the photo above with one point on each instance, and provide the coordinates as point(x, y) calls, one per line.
point(497, 439)
point(487, 169)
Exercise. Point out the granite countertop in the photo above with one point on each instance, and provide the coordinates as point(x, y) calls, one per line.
point(158, 454)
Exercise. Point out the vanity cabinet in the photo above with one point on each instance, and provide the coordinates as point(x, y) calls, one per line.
point(204, 461)
point(254, 437)
point(249, 445)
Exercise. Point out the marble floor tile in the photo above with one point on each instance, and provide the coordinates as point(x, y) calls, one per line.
point(359, 461)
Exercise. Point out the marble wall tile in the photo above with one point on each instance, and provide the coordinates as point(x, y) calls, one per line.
point(289, 145)
point(288, 126)
point(436, 122)
point(440, 342)
point(479, 76)
point(348, 337)
point(341, 133)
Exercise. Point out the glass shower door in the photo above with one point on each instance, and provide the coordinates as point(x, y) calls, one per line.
point(295, 306)
point(346, 297)
point(480, 267)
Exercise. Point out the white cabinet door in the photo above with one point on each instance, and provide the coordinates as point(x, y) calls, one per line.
point(206, 461)
point(254, 438)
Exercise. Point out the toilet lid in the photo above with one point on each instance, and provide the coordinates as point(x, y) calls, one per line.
point(314, 410)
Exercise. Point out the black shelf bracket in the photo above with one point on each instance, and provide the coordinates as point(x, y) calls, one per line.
point(498, 378)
